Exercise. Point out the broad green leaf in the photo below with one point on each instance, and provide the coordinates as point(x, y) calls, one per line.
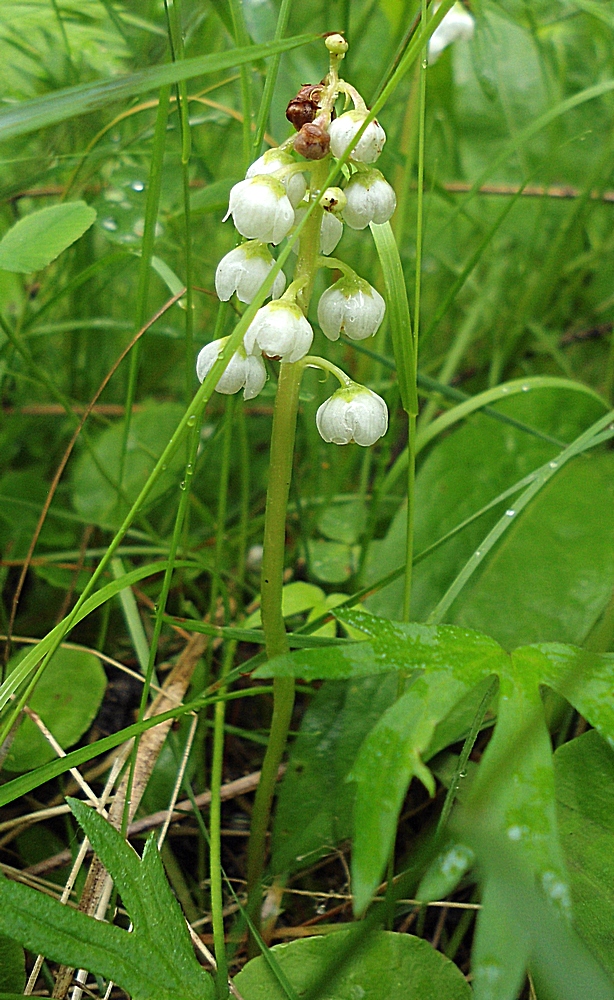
point(94, 495)
point(393, 751)
point(512, 796)
point(516, 927)
point(213, 197)
point(584, 780)
point(332, 562)
point(386, 966)
point(314, 804)
point(57, 107)
point(584, 678)
point(395, 646)
point(555, 564)
point(343, 521)
point(12, 965)
point(40, 237)
point(67, 697)
point(455, 481)
point(509, 820)
point(154, 962)
point(296, 598)
point(33, 657)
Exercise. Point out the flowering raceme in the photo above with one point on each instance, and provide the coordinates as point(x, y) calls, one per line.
point(282, 191)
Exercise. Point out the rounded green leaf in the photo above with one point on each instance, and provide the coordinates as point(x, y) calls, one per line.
point(95, 495)
point(67, 698)
point(40, 237)
point(385, 966)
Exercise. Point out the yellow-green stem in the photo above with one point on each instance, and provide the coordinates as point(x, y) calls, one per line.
point(280, 474)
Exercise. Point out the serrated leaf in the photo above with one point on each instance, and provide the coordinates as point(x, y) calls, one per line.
point(38, 238)
point(154, 962)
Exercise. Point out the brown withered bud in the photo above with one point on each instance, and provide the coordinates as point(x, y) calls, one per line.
point(312, 141)
point(303, 108)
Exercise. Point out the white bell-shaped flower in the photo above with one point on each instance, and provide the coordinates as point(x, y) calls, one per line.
point(351, 306)
point(370, 198)
point(273, 160)
point(353, 414)
point(457, 24)
point(244, 371)
point(243, 270)
point(331, 231)
point(261, 209)
point(342, 131)
point(280, 331)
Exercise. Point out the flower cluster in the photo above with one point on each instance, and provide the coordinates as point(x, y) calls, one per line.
point(279, 189)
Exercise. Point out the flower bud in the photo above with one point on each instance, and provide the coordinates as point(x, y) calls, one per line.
point(336, 44)
point(273, 160)
point(343, 130)
point(243, 270)
point(303, 108)
point(313, 141)
point(351, 306)
point(353, 414)
point(280, 331)
point(457, 24)
point(370, 198)
point(331, 231)
point(260, 209)
point(333, 200)
point(245, 372)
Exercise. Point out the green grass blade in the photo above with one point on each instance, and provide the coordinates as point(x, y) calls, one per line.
point(71, 101)
point(591, 437)
point(399, 318)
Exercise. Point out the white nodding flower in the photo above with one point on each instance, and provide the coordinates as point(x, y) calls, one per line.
point(370, 198)
point(353, 414)
point(261, 209)
point(342, 131)
point(351, 306)
point(243, 270)
point(280, 331)
point(331, 231)
point(457, 24)
point(273, 160)
point(244, 371)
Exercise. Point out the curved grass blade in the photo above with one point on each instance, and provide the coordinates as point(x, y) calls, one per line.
point(14, 681)
point(399, 319)
point(591, 437)
point(40, 112)
point(481, 401)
